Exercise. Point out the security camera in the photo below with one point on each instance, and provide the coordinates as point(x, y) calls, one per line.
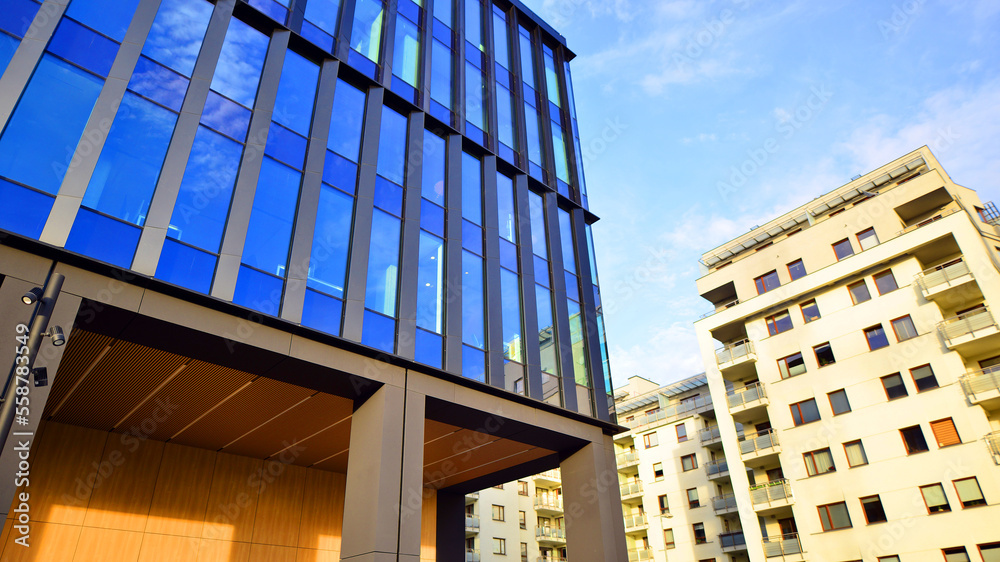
point(41, 375)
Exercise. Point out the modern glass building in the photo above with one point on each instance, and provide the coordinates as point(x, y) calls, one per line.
point(376, 206)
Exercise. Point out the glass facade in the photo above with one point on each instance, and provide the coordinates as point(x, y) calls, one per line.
point(221, 171)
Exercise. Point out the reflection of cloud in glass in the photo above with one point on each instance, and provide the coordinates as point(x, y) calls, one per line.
point(323, 14)
point(240, 63)
point(225, 116)
point(158, 83)
point(177, 32)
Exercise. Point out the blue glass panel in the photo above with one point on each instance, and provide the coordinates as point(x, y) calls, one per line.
point(324, 14)
point(379, 332)
point(474, 22)
point(315, 35)
point(506, 212)
point(408, 10)
point(322, 313)
point(340, 173)
point(474, 134)
point(406, 48)
point(103, 238)
point(442, 32)
point(566, 239)
point(177, 32)
point(392, 146)
point(473, 312)
point(527, 58)
point(226, 117)
point(531, 130)
point(125, 177)
point(442, 73)
point(296, 92)
point(474, 56)
point(559, 153)
point(507, 153)
point(501, 54)
point(158, 83)
point(536, 171)
point(555, 115)
point(443, 11)
point(472, 237)
point(82, 46)
point(429, 348)
point(271, 9)
point(432, 185)
point(50, 117)
point(388, 196)
point(505, 116)
point(366, 33)
point(383, 264)
point(572, 286)
point(331, 242)
point(502, 77)
point(510, 315)
point(23, 211)
point(562, 188)
point(475, 97)
point(404, 90)
point(441, 113)
point(432, 218)
point(508, 255)
point(362, 64)
point(286, 146)
point(578, 344)
point(199, 215)
point(546, 331)
point(258, 291)
point(8, 45)
point(185, 266)
point(430, 283)
point(270, 231)
point(110, 17)
point(551, 76)
point(347, 121)
point(240, 63)
point(17, 15)
point(473, 364)
point(541, 271)
point(536, 214)
point(472, 189)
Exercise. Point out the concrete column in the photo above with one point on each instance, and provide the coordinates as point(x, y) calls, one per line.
point(450, 536)
point(595, 529)
point(385, 468)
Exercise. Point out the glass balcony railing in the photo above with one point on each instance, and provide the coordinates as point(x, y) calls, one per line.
point(627, 459)
point(993, 444)
point(778, 491)
point(710, 434)
point(782, 545)
point(760, 442)
point(724, 502)
point(982, 382)
point(717, 468)
point(733, 541)
point(640, 554)
point(550, 533)
point(633, 522)
point(746, 396)
point(553, 558)
point(549, 503)
point(472, 555)
point(967, 324)
point(631, 489)
point(670, 412)
point(937, 278)
point(472, 522)
point(734, 351)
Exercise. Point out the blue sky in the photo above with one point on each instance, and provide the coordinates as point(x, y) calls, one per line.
point(673, 96)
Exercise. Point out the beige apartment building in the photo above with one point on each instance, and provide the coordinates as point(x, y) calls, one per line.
point(520, 520)
point(854, 358)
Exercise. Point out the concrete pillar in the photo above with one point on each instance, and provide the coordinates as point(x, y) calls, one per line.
point(595, 528)
point(450, 534)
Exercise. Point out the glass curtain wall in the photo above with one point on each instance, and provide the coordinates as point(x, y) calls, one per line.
point(578, 343)
point(552, 88)
point(547, 339)
point(532, 123)
point(443, 62)
point(506, 129)
point(473, 274)
point(15, 19)
point(320, 22)
point(406, 50)
point(431, 268)
point(476, 102)
point(510, 287)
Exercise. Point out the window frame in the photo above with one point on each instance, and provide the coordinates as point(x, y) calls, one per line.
point(861, 243)
point(522, 487)
point(694, 462)
point(646, 440)
point(868, 293)
point(829, 396)
point(800, 264)
point(522, 519)
point(664, 504)
point(671, 544)
point(849, 246)
point(864, 511)
point(783, 363)
point(703, 539)
point(902, 385)
point(873, 331)
point(954, 429)
point(932, 376)
point(810, 460)
point(827, 507)
point(696, 502)
point(955, 550)
point(883, 274)
point(658, 477)
point(906, 445)
point(501, 544)
point(802, 309)
point(772, 323)
point(912, 325)
point(990, 545)
point(819, 362)
point(681, 430)
point(797, 406)
point(761, 282)
point(982, 496)
point(494, 511)
point(864, 453)
point(947, 504)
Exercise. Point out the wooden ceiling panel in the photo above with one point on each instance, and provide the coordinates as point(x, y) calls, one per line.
point(82, 349)
point(441, 479)
point(319, 447)
point(458, 443)
point(435, 430)
point(336, 463)
point(304, 420)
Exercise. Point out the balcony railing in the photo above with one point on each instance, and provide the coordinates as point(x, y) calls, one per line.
point(926, 222)
point(981, 382)
point(717, 468)
point(734, 541)
point(759, 442)
point(552, 504)
point(746, 395)
point(631, 489)
point(966, 324)
point(771, 492)
point(670, 412)
point(639, 554)
point(633, 522)
point(941, 277)
point(710, 434)
point(734, 351)
point(551, 559)
point(550, 533)
point(472, 555)
point(724, 502)
point(993, 444)
point(472, 522)
point(627, 459)
point(553, 475)
point(782, 545)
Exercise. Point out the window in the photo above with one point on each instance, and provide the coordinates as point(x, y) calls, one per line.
point(876, 337)
point(990, 552)
point(693, 500)
point(885, 282)
point(689, 462)
point(843, 249)
point(824, 354)
point(682, 432)
point(923, 378)
point(658, 471)
point(867, 239)
point(699, 533)
point(499, 486)
point(650, 440)
point(834, 516)
point(872, 506)
point(791, 366)
point(894, 387)
point(762, 246)
point(780, 322)
point(855, 452)
point(497, 512)
point(804, 412)
point(810, 311)
point(767, 282)
point(956, 554)
point(913, 439)
point(524, 551)
point(904, 328)
point(969, 492)
point(935, 499)
point(521, 520)
point(668, 538)
point(522, 488)
point(891, 558)
point(664, 506)
point(859, 292)
point(838, 402)
point(819, 462)
point(796, 269)
point(945, 433)
point(837, 212)
point(499, 546)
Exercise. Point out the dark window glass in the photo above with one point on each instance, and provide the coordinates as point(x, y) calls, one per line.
point(366, 33)
point(472, 189)
point(324, 14)
point(838, 402)
point(378, 331)
point(24, 210)
point(388, 196)
point(473, 363)
point(240, 63)
point(824, 354)
point(804, 412)
point(293, 105)
point(331, 242)
point(874, 513)
point(810, 311)
point(177, 32)
point(17, 16)
point(110, 17)
point(843, 249)
point(778, 323)
point(566, 238)
point(923, 378)
point(791, 366)
point(885, 282)
point(904, 328)
point(82, 46)
point(859, 292)
point(186, 266)
point(913, 439)
point(285, 146)
point(796, 269)
point(270, 230)
point(322, 312)
point(473, 322)
point(876, 337)
point(103, 238)
point(767, 282)
point(834, 516)
point(699, 533)
point(894, 387)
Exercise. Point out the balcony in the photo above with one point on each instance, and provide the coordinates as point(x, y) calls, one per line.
point(759, 445)
point(942, 282)
point(550, 504)
point(550, 534)
point(983, 387)
point(732, 542)
point(471, 498)
point(747, 400)
point(471, 524)
point(724, 504)
point(993, 444)
point(549, 477)
point(553, 558)
point(671, 412)
point(736, 359)
point(631, 490)
point(972, 333)
point(636, 523)
point(626, 460)
point(717, 469)
point(711, 435)
point(639, 554)
point(783, 545)
point(772, 495)
point(472, 555)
